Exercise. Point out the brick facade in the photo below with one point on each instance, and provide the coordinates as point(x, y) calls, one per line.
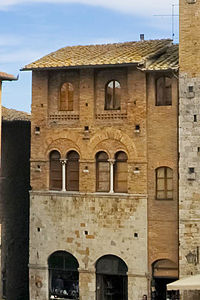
point(132, 226)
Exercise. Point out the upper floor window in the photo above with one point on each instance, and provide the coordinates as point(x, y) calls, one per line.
point(112, 95)
point(72, 183)
point(102, 172)
point(120, 172)
point(55, 171)
point(163, 91)
point(164, 183)
point(66, 96)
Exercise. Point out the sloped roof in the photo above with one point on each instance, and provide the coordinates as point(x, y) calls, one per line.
point(107, 54)
point(9, 114)
point(168, 60)
point(5, 76)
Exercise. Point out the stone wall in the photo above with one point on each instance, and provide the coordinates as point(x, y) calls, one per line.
point(189, 165)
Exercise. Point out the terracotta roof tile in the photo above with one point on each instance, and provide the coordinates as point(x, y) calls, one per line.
point(5, 76)
point(107, 54)
point(14, 115)
point(168, 60)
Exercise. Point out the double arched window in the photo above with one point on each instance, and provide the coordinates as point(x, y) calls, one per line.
point(112, 95)
point(164, 183)
point(64, 173)
point(163, 91)
point(66, 96)
point(63, 276)
point(111, 174)
point(111, 278)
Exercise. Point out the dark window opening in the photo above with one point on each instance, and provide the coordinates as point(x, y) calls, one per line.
point(102, 172)
point(63, 276)
point(163, 91)
point(120, 172)
point(72, 179)
point(4, 284)
point(112, 95)
point(55, 171)
point(111, 278)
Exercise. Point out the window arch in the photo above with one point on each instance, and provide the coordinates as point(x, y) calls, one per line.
point(72, 180)
point(66, 96)
point(111, 278)
point(102, 172)
point(163, 91)
point(55, 171)
point(120, 172)
point(164, 183)
point(112, 95)
point(63, 275)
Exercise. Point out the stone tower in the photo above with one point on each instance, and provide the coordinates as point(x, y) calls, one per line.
point(189, 143)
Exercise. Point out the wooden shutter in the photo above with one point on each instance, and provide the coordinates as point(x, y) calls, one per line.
point(168, 91)
point(120, 173)
point(72, 171)
point(160, 84)
point(66, 96)
point(55, 171)
point(102, 172)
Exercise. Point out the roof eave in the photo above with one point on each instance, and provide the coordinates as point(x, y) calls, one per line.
point(82, 67)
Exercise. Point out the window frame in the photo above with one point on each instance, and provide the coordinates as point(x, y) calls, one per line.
point(67, 99)
point(165, 178)
point(164, 99)
point(106, 160)
point(116, 172)
point(51, 186)
point(114, 102)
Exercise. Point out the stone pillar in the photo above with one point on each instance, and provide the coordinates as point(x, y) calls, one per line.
point(87, 285)
point(38, 282)
point(137, 286)
point(111, 161)
point(63, 162)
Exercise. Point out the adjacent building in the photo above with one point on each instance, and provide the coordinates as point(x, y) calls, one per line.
point(15, 186)
point(189, 147)
point(104, 172)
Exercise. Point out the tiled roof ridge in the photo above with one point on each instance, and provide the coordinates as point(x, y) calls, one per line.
point(10, 114)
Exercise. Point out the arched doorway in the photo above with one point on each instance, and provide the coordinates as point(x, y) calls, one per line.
point(63, 276)
point(111, 278)
point(164, 271)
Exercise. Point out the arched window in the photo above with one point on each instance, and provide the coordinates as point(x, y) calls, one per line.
point(66, 96)
point(164, 183)
point(102, 172)
point(72, 183)
point(111, 278)
point(112, 95)
point(163, 91)
point(120, 172)
point(55, 171)
point(63, 276)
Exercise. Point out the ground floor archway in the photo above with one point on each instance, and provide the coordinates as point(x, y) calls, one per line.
point(63, 276)
point(164, 271)
point(111, 278)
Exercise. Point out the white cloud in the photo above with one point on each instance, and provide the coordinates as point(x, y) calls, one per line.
point(142, 7)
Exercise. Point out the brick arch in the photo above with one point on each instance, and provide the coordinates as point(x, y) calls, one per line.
point(122, 142)
point(64, 146)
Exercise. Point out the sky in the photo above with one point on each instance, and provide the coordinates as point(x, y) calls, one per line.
point(30, 29)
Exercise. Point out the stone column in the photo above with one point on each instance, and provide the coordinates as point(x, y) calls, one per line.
point(38, 282)
point(87, 284)
point(63, 162)
point(111, 161)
